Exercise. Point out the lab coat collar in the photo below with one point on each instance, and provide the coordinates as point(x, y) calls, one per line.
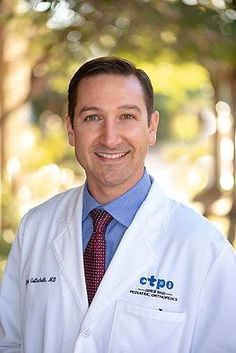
point(137, 246)
point(68, 250)
point(135, 253)
point(124, 208)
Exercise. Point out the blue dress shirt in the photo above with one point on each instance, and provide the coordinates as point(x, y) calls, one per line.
point(122, 209)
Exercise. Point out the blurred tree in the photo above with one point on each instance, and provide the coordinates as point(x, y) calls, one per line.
point(179, 31)
point(204, 32)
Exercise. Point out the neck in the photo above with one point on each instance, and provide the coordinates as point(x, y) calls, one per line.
point(106, 194)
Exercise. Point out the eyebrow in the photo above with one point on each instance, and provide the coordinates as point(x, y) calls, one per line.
point(130, 107)
point(85, 109)
point(125, 106)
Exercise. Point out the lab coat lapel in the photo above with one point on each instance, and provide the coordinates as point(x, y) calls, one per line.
point(68, 250)
point(135, 253)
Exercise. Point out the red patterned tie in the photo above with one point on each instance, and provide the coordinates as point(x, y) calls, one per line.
point(95, 252)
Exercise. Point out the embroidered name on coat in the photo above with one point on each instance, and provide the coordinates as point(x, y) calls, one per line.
point(40, 280)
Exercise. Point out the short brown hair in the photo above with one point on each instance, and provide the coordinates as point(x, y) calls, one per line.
point(109, 65)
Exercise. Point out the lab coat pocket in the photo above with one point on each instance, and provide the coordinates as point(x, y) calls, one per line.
point(141, 329)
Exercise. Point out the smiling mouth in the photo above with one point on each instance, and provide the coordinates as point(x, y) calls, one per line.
point(111, 156)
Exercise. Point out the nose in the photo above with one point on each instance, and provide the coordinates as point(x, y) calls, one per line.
point(110, 134)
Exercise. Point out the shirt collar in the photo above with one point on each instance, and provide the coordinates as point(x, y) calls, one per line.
point(124, 208)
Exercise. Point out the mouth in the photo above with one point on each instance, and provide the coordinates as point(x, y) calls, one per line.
point(111, 156)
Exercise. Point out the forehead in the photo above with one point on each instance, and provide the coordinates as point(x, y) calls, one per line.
point(110, 86)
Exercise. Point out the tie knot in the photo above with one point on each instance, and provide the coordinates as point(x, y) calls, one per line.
point(101, 219)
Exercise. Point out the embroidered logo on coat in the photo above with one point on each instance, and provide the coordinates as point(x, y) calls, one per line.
point(153, 287)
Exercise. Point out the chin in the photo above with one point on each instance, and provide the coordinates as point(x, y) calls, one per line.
point(122, 181)
point(111, 180)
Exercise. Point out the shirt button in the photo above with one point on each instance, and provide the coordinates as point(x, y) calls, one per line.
point(87, 332)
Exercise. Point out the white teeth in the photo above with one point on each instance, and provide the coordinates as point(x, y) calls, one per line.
point(111, 156)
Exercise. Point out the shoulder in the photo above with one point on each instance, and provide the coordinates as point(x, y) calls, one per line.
point(193, 228)
point(185, 225)
point(189, 219)
point(63, 204)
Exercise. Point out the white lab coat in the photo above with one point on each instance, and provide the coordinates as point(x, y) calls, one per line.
point(170, 287)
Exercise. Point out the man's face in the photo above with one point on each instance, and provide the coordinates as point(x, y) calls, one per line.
point(111, 134)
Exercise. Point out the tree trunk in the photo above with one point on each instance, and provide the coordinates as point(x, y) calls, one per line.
point(2, 103)
point(232, 213)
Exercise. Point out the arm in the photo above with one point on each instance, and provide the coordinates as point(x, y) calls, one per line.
point(216, 320)
point(10, 299)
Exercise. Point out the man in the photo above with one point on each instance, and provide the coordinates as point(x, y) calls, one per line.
point(115, 265)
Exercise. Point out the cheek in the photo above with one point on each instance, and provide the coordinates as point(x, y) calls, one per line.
point(135, 132)
point(83, 142)
point(141, 137)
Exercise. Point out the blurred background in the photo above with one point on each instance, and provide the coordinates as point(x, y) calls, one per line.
point(187, 47)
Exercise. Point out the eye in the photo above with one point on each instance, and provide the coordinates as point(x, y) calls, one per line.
point(92, 117)
point(127, 117)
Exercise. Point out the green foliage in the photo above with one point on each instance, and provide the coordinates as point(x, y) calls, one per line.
point(185, 127)
point(50, 146)
point(183, 48)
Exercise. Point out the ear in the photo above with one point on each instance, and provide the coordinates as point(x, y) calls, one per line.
point(70, 131)
point(152, 128)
